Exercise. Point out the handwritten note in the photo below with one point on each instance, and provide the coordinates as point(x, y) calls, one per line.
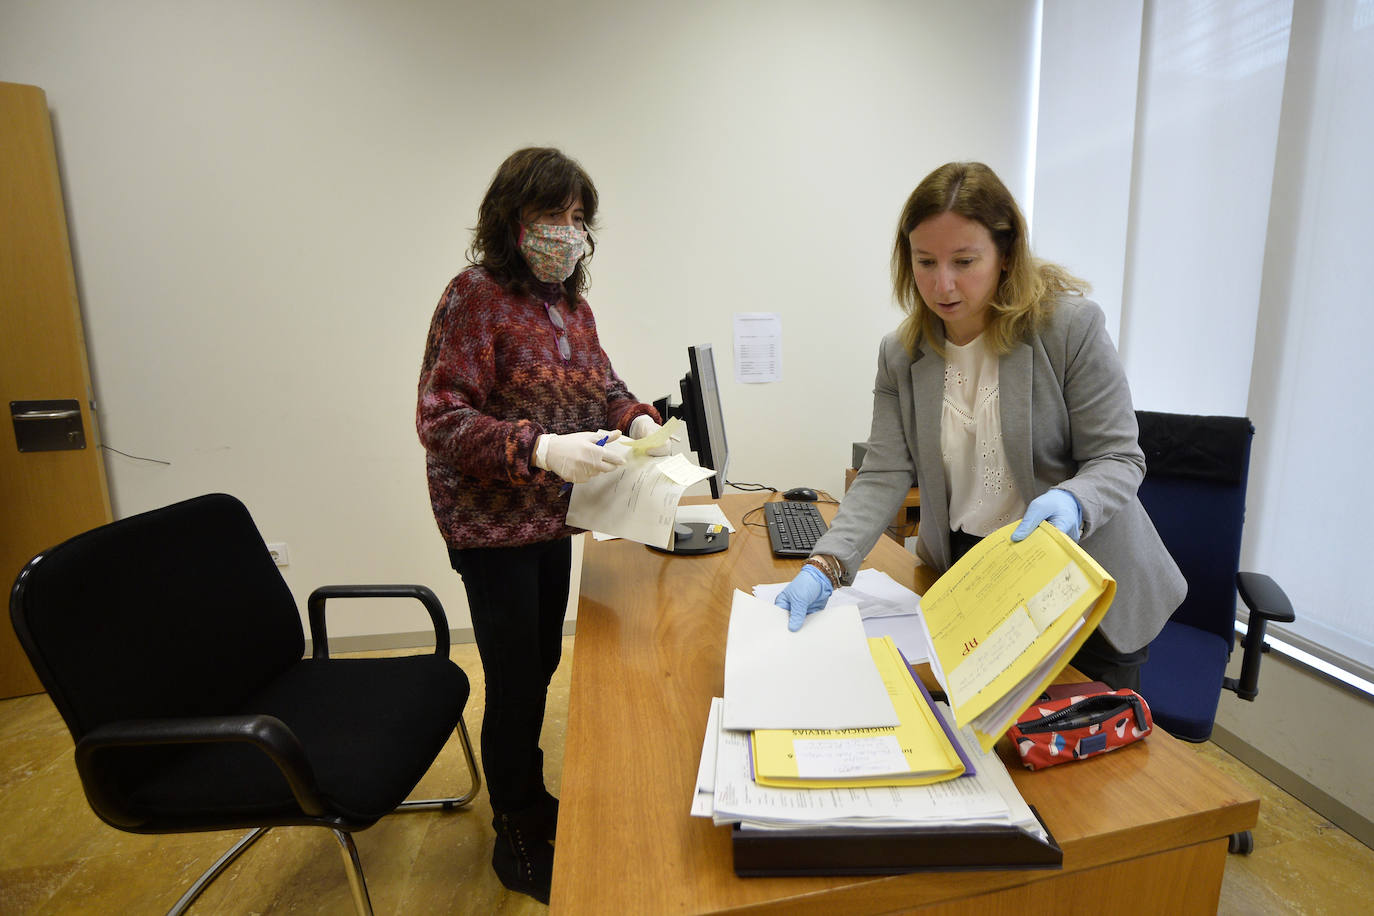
point(1059, 593)
point(876, 756)
point(995, 654)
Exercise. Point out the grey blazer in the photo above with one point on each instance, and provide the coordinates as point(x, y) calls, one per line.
point(1067, 422)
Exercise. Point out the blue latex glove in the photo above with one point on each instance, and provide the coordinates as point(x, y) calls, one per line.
point(806, 594)
point(1058, 507)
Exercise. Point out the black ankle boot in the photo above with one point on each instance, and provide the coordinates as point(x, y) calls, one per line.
point(522, 858)
point(547, 806)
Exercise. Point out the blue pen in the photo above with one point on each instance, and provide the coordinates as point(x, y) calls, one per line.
point(567, 487)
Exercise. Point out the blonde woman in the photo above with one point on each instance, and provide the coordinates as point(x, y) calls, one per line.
point(1002, 397)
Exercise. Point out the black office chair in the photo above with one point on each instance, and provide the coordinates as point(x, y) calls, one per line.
point(173, 649)
point(1196, 470)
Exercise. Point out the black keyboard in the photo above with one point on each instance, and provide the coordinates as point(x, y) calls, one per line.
point(793, 527)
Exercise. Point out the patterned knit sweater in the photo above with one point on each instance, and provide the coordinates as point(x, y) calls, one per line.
point(491, 383)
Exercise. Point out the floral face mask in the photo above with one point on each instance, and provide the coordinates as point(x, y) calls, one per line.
point(553, 251)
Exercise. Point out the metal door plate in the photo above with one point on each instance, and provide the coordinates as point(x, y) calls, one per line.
point(47, 426)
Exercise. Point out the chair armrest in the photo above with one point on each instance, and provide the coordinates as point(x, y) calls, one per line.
point(267, 733)
point(319, 635)
point(1263, 596)
point(1265, 601)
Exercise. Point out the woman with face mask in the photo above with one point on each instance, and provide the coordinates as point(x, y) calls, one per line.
point(516, 401)
point(1002, 397)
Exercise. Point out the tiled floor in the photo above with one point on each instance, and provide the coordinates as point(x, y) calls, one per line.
point(1302, 863)
point(57, 857)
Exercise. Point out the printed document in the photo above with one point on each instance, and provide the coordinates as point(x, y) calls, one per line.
point(758, 347)
point(637, 500)
point(700, 513)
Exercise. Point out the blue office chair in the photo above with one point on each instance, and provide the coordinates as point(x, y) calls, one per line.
point(1194, 491)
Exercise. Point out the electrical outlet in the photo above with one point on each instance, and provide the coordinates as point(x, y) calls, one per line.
point(279, 554)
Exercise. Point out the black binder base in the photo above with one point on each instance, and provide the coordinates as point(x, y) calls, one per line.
point(890, 851)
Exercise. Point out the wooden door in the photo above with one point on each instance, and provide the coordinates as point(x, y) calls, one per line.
point(46, 496)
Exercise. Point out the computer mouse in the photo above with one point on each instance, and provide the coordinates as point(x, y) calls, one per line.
point(806, 494)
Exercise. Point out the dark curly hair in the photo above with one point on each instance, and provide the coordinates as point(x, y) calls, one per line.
point(543, 179)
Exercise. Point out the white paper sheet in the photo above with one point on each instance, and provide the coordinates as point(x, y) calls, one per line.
point(638, 500)
point(704, 513)
point(822, 676)
point(874, 592)
point(887, 609)
point(907, 634)
point(703, 796)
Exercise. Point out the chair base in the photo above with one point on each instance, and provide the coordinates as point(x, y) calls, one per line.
point(213, 871)
point(357, 884)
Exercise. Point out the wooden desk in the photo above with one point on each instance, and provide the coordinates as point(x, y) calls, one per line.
point(1143, 829)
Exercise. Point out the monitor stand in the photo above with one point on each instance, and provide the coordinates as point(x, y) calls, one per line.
point(693, 538)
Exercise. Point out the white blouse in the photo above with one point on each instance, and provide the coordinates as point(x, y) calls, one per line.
point(982, 493)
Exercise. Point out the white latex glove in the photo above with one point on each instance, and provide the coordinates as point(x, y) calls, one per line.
point(643, 426)
point(577, 457)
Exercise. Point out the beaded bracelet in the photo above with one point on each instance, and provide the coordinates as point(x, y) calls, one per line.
point(829, 567)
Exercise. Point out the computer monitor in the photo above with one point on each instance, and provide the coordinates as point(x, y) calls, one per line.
point(700, 410)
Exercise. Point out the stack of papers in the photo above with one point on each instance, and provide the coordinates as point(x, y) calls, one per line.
point(810, 733)
point(727, 793)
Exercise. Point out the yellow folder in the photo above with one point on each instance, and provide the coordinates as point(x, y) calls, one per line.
point(1006, 619)
point(915, 752)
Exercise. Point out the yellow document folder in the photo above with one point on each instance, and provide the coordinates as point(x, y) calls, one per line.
point(915, 752)
point(1006, 619)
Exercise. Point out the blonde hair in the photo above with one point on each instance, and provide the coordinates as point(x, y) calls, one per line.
point(1025, 294)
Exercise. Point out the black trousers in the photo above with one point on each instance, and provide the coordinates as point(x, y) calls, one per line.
point(1097, 658)
point(518, 597)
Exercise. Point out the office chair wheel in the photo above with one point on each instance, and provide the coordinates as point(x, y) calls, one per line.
point(1242, 843)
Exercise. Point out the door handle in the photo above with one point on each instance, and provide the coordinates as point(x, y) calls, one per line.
point(46, 415)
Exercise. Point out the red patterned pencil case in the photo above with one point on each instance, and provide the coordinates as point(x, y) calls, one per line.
point(1075, 727)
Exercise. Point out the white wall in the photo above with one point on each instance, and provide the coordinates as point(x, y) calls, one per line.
point(1085, 139)
point(266, 200)
point(1211, 85)
point(1312, 348)
point(1309, 482)
point(1246, 217)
